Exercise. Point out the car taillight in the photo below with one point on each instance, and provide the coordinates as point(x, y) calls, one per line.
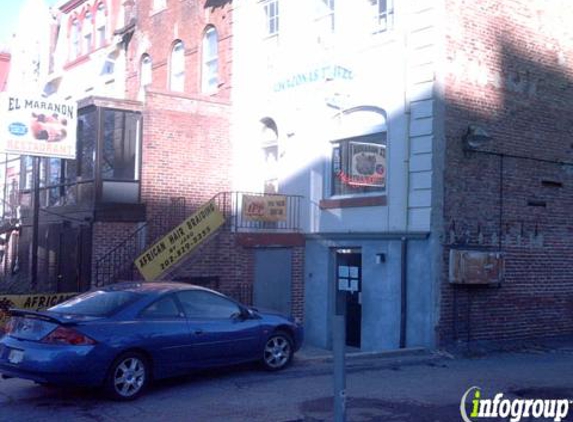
point(69, 336)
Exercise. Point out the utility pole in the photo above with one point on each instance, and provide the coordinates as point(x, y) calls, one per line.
point(339, 355)
point(35, 223)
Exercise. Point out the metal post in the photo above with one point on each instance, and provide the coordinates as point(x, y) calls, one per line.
point(339, 356)
point(35, 223)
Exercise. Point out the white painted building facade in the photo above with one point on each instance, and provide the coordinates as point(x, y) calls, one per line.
point(335, 100)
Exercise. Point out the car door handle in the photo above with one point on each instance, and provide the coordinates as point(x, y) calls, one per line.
point(198, 332)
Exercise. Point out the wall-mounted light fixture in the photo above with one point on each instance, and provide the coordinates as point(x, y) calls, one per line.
point(475, 137)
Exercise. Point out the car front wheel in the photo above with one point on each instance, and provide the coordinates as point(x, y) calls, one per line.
point(278, 351)
point(128, 377)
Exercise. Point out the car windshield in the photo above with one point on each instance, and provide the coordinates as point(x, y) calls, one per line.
point(96, 303)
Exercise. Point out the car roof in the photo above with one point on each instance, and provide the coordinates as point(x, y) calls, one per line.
point(152, 286)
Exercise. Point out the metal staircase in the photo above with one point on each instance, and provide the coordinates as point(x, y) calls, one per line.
point(118, 263)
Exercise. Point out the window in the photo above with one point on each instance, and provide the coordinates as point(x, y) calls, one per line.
point(76, 47)
point(162, 308)
point(100, 25)
point(325, 16)
point(201, 304)
point(210, 72)
point(87, 33)
point(270, 155)
point(382, 12)
point(177, 79)
point(87, 138)
point(272, 17)
point(359, 165)
point(146, 75)
point(96, 303)
point(158, 5)
point(119, 145)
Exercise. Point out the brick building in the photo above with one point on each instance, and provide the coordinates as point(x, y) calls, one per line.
point(468, 104)
point(508, 70)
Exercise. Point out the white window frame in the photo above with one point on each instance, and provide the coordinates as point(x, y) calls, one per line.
point(76, 39)
point(101, 26)
point(325, 15)
point(177, 67)
point(210, 71)
point(272, 15)
point(383, 17)
point(146, 70)
point(87, 33)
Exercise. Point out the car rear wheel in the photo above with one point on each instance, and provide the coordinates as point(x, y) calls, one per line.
point(278, 351)
point(128, 377)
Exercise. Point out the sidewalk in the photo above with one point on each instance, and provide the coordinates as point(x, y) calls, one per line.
point(310, 354)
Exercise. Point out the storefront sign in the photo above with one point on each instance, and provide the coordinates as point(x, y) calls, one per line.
point(368, 165)
point(269, 208)
point(32, 125)
point(319, 74)
point(29, 302)
point(180, 241)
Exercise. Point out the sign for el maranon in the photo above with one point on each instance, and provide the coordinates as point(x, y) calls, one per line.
point(177, 244)
point(32, 125)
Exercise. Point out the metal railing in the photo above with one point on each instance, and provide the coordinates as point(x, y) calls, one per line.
point(118, 262)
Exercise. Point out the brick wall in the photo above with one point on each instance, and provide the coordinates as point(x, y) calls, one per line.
point(225, 265)
point(186, 21)
point(509, 69)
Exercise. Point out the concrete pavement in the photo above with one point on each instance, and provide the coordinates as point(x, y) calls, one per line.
point(416, 386)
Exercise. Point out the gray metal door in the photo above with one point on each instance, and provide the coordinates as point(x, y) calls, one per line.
point(272, 288)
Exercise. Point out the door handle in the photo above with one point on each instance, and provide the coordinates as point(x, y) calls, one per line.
point(198, 331)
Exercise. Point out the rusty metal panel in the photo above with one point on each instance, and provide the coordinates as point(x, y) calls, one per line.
point(476, 267)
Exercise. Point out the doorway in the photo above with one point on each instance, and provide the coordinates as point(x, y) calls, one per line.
point(349, 278)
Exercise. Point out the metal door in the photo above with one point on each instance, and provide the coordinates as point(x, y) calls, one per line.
point(349, 278)
point(272, 289)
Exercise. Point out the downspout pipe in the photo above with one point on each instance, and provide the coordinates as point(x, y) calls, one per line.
point(403, 290)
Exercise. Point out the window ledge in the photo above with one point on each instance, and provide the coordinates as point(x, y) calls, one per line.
point(362, 201)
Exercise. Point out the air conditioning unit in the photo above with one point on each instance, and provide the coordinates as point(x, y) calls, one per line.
point(474, 267)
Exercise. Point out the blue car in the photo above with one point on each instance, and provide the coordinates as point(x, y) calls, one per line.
point(123, 336)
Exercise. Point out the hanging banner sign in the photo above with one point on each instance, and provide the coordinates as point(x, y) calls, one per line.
point(180, 241)
point(32, 125)
point(269, 208)
point(368, 165)
point(29, 302)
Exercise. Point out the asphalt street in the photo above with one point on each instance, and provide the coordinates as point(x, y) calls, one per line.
point(420, 387)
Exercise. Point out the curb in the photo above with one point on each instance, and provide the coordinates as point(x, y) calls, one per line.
point(326, 355)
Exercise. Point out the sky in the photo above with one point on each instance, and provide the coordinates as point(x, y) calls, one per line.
point(9, 14)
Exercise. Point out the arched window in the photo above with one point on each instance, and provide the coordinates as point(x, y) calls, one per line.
point(177, 76)
point(270, 147)
point(210, 72)
point(101, 26)
point(146, 76)
point(88, 33)
point(75, 48)
point(359, 155)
